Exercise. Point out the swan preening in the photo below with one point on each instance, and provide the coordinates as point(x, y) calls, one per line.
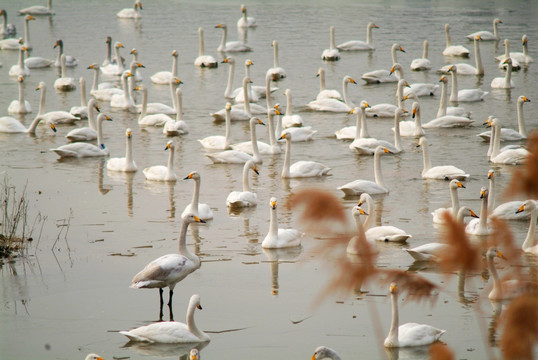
point(332, 53)
point(171, 332)
point(245, 198)
point(278, 238)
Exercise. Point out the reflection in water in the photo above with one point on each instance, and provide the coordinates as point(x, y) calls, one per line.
point(164, 350)
point(415, 353)
point(462, 277)
point(127, 177)
point(275, 256)
point(100, 173)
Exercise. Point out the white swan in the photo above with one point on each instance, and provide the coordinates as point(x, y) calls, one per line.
point(93, 357)
point(332, 53)
point(487, 35)
point(386, 233)
point(428, 251)
point(20, 106)
point(55, 117)
point(203, 211)
point(11, 125)
point(383, 75)
point(38, 10)
point(278, 238)
point(164, 77)
point(20, 69)
point(238, 113)
point(263, 148)
point(131, 13)
point(219, 142)
point(14, 44)
point(357, 187)
point(501, 58)
point(529, 245)
point(161, 172)
point(448, 121)
point(354, 132)
point(502, 289)
point(466, 69)
point(254, 92)
point(522, 57)
point(204, 60)
point(290, 119)
point(146, 119)
point(422, 63)
point(239, 157)
point(444, 109)
point(359, 45)
point(440, 172)
point(64, 82)
point(413, 127)
point(114, 69)
point(481, 226)
point(6, 29)
point(408, 334)
point(326, 93)
point(386, 109)
point(356, 244)
point(245, 21)
point(512, 210)
point(37, 62)
point(277, 72)
point(124, 164)
point(82, 149)
point(89, 132)
point(464, 95)
point(230, 46)
point(82, 110)
point(324, 352)
point(513, 156)
point(453, 187)
point(178, 126)
point(453, 50)
point(70, 61)
point(124, 101)
point(505, 82)
point(194, 354)
point(156, 107)
point(102, 91)
point(332, 104)
point(298, 134)
point(245, 198)
point(368, 146)
point(171, 332)
point(300, 169)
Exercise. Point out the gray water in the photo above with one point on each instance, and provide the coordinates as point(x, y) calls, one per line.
point(71, 295)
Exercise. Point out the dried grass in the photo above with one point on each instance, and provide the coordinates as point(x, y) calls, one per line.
point(524, 180)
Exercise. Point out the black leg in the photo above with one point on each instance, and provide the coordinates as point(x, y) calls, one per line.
point(161, 304)
point(170, 305)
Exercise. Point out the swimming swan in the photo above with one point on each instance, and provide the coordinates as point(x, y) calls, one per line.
point(89, 132)
point(332, 104)
point(245, 198)
point(422, 63)
point(131, 13)
point(326, 93)
point(529, 245)
point(278, 238)
point(332, 53)
point(20, 106)
point(466, 69)
point(124, 164)
point(453, 50)
point(219, 142)
point(487, 35)
point(453, 187)
point(359, 45)
point(161, 172)
point(38, 10)
point(230, 46)
point(383, 75)
point(300, 169)
point(245, 21)
point(164, 77)
point(505, 82)
point(441, 172)
point(64, 82)
point(204, 60)
point(386, 233)
point(203, 211)
point(464, 95)
point(277, 73)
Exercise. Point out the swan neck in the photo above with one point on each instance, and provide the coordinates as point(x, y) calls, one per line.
point(331, 43)
point(494, 274)
point(287, 159)
point(289, 110)
point(271, 128)
point(222, 46)
point(397, 140)
point(118, 59)
point(174, 66)
point(483, 215)
point(247, 100)
point(478, 58)
point(228, 91)
point(195, 195)
point(344, 92)
point(520, 119)
point(508, 76)
point(125, 86)
point(95, 80)
point(83, 101)
point(171, 166)
point(100, 133)
point(393, 53)
point(268, 99)
point(496, 138)
point(278, 126)
point(447, 37)
point(179, 105)
point(495, 33)
point(246, 186)
point(143, 113)
point(26, 35)
point(183, 249)
point(393, 332)
point(64, 67)
point(42, 98)
point(22, 105)
point(455, 201)
point(378, 175)
point(321, 80)
point(172, 88)
point(426, 158)
point(201, 36)
point(364, 126)
point(369, 34)
point(21, 59)
point(454, 90)
point(128, 150)
point(227, 125)
point(273, 225)
point(358, 127)
point(33, 125)
point(91, 117)
point(530, 240)
point(443, 104)
point(425, 51)
point(254, 141)
point(370, 217)
point(275, 55)
point(108, 57)
point(418, 123)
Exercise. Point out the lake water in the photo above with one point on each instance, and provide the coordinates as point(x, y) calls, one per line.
point(72, 295)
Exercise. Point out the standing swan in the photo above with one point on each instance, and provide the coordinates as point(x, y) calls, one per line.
point(164, 77)
point(487, 35)
point(204, 60)
point(357, 187)
point(203, 211)
point(422, 63)
point(161, 172)
point(64, 83)
point(529, 245)
point(20, 106)
point(408, 334)
point(171, 332)
point(300, 169)
point(332, 53)
point(441, 172)
point(453, 50)
point(279, 238)
point(276, 71)
point(359, 45)
point(245, 198)
point(124, 164)
point(81, 149)
point(38, 10)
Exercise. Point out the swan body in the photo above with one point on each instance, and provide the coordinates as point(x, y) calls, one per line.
point(164, 77)
point(133, 13)
point(357, 187)
point(453, 50)
point(204, 60)
point(505, 82)
point(501, 58)
point(245, 198)
point(522, 57)
point(332, 53)
point(82, 149)
point(82, 110)
point(466, 69)
point(20, 69)
point(70, 61)
point(359, 45)
point(20, 106)
point(481, 226)
point(413, 127)
point(529, 245)
point(408, 334)
point(511, 211)
point(219, 142)
point(6, 29)
point(352, 132)
point(386, 109)
point(487, 35)
point(102, 91)
point(64, 83)
point(444, 109)
point(124, 164)
point(290, 119)
point(231, 46)
point(279, 238)
point(324, 352)
point(11, 125)
point(38, 10)
point(171, 332)
point(502, 289)
point(326, 93)
point(333, 104)
point(453, 187)
point(203, 211)
point(510, 134)
point(277, 72)
point(160, 172)
point(114, 69)
point(300, 169)
point(442, 172)
point(89, 132)
point(146, 119)
point(427, 252)
point(422, 63)
point(124, 101)
point(368, 146)
point(37, 62)
point(298, 134)
point(386, 233)
point(237, 156)
point(513, 156)
point(54, 117)
point(448, 121)
point(245, 21)
point(465, 95)
point(383, 75)
point(14, 44)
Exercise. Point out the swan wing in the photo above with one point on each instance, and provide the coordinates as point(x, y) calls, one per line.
point(308, 169)
point(162, 332)
point(413, 334)
point(357, 187)
point(445, 172)
point(387, 233)
point(238, 199)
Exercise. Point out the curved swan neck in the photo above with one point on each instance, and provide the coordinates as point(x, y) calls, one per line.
point(378, 175)
point(201, 38)
point(520, 118)
point(222, 46)
point(289, 110)
point(246, 186)
point(454, 90)
point(33, 125)
point(393, 53)
point(182, 243)
point(447, 36)
point(392, 337)
point(91, 117)
point(443, 104)
point(344, 92)
point(364, 126)
point(275, 54)
point(530, 240)
point(191, 324)
point(287, 159)
point(229, 87)
point(331, 40)
point(478, 58)
point(179, 104)
point(418, 122)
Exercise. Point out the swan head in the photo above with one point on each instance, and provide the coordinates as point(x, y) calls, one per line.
point(396, 67)
point(275, 111)
point(29, 17)
point(355, 110)
point(176, 81)
point(138, 4)
point(256, 121)
point(93, 66)
point(228, 106)
point(393, 289)
point(285, 135)
point(323, 352)
point(138, 65)
point(524, 40)
point(274, 43)
point(443, 79)
point(243, 8)
point(20, 78)
point(59, 43)
point(140, 88)
point(103, 117)
point(248, 62)
point(494, 252)
point(488, 121)
point(364, 198)
point(478, 37)
point(190, 218)
point(229, 60)
point(272, 203)
point(523, 99)
point(52, 126)
point(447, 27)
point(508, 61)
point(483, 192)
point(108, 40)
point(252, 165)
point(491, 174)
point(453, 69)
point(41, 86)
point(93, 357)
point(372, 25)
point(246, 80)
point(128, 133)
point(349, 79)
point(382, 150)
point(422, 141)
point(466, 211)
point(194, 354)
point(118, 45)
point(415, 109)
point(401, 82)
point(528, 205)
point(398, 47)
point(321, 71)
point(193, 175)
point(497, 21)
point(364, 104)
point(357, 211)
point(220, 26)
point(174, 53)
point(169, 145)
point(456, 184)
